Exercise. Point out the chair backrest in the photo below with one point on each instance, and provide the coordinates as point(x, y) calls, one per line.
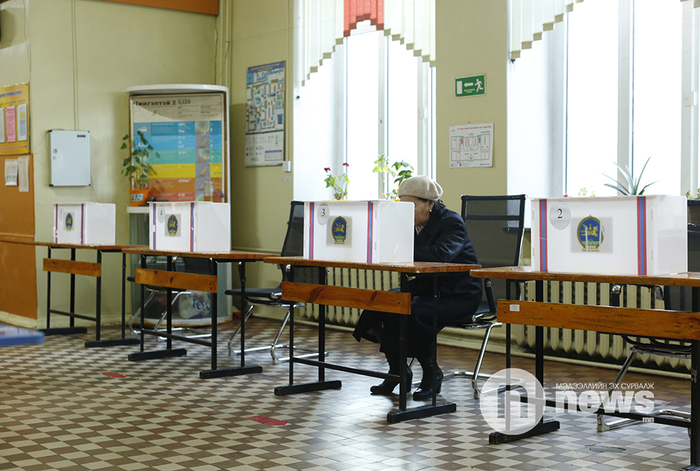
point(198, 265)
point(495, 226)
point(294, 239)
point(678, 298)
point(293, 245)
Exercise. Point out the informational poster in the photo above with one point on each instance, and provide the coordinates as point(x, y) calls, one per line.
point(264, 140)
point(14, 119)
point(23, 173)
point(11, 166)
point(188, 139)
point(471, 145)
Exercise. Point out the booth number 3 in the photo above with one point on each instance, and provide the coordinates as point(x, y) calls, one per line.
point(323, 214)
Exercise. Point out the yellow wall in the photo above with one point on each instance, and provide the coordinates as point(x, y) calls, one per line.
point(81, 57)
point(83, 54)
point(471, 40)
point(259, 195)
point(14, 51)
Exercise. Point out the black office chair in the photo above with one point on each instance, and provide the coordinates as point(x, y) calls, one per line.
point(495, 226)
point(272, 297)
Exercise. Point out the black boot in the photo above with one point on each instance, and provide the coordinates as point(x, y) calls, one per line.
point(430, 368)
point(387, 386)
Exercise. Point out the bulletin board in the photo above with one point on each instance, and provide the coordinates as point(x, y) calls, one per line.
point(14, 119)
point(188, 132)
point(18, 282)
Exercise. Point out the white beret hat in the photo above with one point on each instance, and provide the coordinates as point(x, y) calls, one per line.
point(420, 187)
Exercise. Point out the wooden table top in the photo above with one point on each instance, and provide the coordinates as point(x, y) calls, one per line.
point(231, 255)
point(407, 267)
point(104, 248)
point(527, 273)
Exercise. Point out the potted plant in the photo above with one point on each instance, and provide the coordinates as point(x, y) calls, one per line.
point(339, 183)
point(630, 186)
point(137, 168)
point(401, 170)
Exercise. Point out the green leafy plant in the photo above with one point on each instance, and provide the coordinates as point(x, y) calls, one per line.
point(401, 170)
point(339, 183)
point(689, 194)
point(629, 186)
point(136, 166)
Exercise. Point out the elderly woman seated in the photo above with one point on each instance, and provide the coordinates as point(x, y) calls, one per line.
point(440, 236)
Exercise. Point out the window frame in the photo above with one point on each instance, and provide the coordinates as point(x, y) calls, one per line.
point(425, 128)
point(556, 52)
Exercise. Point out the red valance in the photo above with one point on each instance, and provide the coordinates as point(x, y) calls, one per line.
point(361, 10)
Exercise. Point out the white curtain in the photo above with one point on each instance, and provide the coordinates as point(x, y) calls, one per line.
point(530, 18)
point(318, 29)
point(413, 23)
point(320, 25)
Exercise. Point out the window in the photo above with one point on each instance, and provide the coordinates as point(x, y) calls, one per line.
point(591, 98)
point(658, 102)
point(371, 97)
point(619, 81)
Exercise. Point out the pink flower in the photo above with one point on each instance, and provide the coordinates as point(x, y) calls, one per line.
point(327, 169)
point(345, 164)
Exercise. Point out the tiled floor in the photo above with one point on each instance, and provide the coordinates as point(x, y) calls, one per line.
point(64, 407)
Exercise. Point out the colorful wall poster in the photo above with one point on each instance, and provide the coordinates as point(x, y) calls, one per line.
point(188, 139)
point(14, 119)
point(264, 140)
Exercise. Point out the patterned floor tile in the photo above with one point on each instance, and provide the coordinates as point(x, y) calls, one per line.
point(64, 407)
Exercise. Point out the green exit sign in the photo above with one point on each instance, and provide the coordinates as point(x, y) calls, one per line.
point(470, 86)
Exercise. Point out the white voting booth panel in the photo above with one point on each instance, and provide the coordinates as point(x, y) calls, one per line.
point(619, 235)
point(358, 231)
point(84, 223)
point(191, 226)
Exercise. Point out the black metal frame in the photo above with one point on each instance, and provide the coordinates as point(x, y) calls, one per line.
point(169, 351)
point(291, 246)
point(486, 319)
point(98, 342)
point(393, 416)
point(546, 426)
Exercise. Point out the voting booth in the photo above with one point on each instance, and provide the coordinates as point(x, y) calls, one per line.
point(84, 223)
point(359, 231)
point(195, 226)
point(619, 235)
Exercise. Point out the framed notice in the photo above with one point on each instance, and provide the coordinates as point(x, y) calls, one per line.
point(188, 129)
point(471, 145)
point(14, 119)
point(264, 139)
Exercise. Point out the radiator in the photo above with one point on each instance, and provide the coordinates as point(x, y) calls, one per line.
point(565, 343)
